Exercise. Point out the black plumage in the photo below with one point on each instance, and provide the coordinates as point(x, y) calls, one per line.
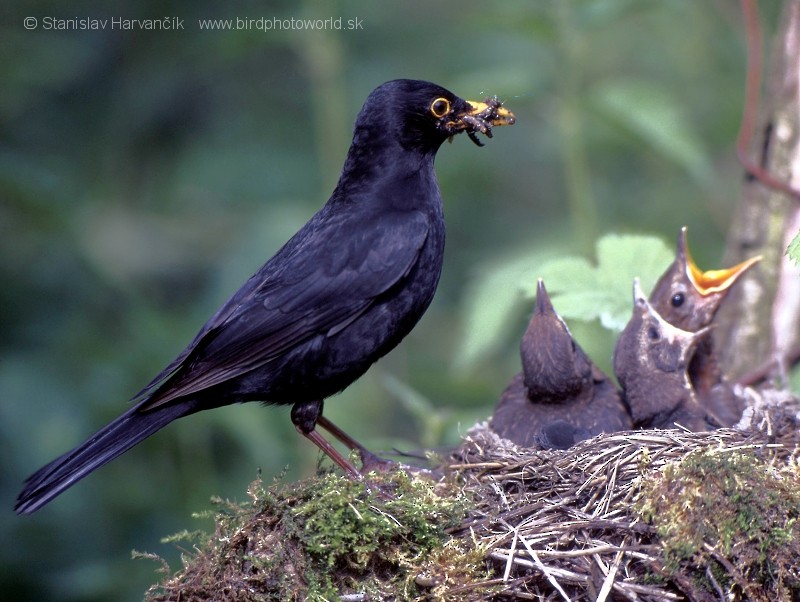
point(340, 294)
point(560, 397)
point(651, 359)
point(689, 298)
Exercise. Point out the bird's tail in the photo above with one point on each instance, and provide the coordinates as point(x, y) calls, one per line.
point(106, 444)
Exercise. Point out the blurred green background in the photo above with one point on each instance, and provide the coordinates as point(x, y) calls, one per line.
point(145, 174)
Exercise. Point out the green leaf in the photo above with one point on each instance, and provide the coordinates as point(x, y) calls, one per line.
point(621, 258)
point(561, 272)
point(490, 303)
point(580, 291)
point(794, 249)
point(794, 380)
point(653, 114)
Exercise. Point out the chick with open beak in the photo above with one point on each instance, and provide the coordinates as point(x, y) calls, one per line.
point(688, 298)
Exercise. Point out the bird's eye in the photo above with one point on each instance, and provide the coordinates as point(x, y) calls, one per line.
point(677, 299)
point(440, 107)
point(653, 333)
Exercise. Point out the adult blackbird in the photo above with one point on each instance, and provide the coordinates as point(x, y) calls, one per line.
point(560, 397)
point(689, 298)
point(651, 359)
point(340, 294)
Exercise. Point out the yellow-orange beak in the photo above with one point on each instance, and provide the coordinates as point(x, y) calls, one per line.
point(480, 117)
point(491, 111)
point(711, 281)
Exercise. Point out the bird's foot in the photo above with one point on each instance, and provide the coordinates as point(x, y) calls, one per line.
point(371, 462)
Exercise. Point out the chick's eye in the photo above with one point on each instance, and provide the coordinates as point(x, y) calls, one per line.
point(677, 299)
point(653, 333)
point(440, 107)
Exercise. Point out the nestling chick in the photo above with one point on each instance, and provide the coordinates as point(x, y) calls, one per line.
point(651, 359)
point(560, 397)
point(689, 298)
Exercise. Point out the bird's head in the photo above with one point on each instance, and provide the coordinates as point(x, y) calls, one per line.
point(688, 297)
point(664, 346)
point(651, 358)
point(554, 367)
point(422, 115)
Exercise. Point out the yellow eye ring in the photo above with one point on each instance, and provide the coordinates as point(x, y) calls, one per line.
point(440, 107)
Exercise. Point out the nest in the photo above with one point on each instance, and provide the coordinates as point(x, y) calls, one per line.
point(641, 516)
point(572, 525)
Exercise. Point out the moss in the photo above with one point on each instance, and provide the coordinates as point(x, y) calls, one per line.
point(457, 570)
point(322, 538)
point(730, 512)
point(723, 509)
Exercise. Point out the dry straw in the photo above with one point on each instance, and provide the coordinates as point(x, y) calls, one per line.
point(561, 525)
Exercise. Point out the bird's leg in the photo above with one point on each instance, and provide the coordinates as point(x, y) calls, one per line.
point(331, 452)
point(341, 435)
point(369, 460)
point(305, 416)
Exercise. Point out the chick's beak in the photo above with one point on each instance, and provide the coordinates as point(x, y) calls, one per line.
point(717, 281)
point(710, 281)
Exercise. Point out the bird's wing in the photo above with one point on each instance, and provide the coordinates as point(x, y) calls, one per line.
point(322, 280)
